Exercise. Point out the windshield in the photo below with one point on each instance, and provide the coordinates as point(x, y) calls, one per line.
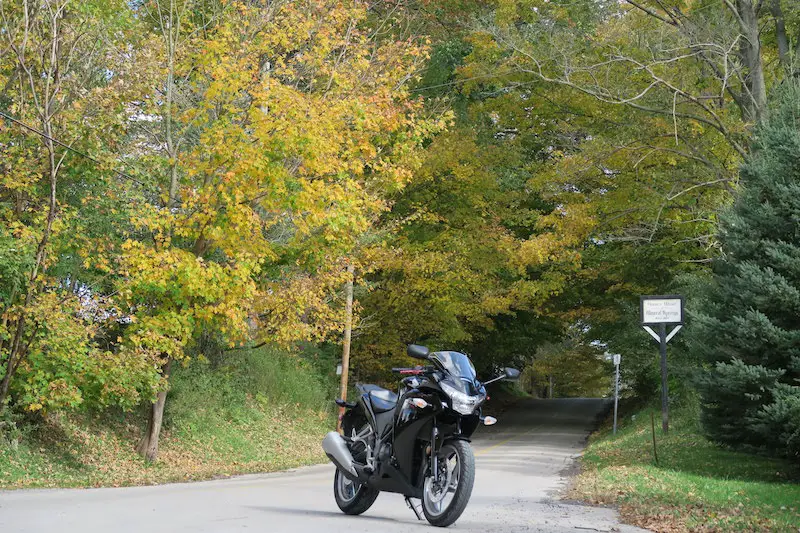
point(457, 365)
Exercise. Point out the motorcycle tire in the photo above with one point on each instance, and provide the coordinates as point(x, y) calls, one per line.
point(356, 502)
point(463, 491)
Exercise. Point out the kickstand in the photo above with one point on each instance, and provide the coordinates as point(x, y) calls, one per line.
point(413, 508)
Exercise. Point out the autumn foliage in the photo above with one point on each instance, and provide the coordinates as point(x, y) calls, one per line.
point(183, 178)
point(213, 169)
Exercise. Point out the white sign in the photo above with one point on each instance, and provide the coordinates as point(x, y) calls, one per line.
point(617, 358)
point(662, 309)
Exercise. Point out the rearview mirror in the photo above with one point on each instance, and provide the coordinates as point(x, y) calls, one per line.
point(418, 352)
point(509, 374)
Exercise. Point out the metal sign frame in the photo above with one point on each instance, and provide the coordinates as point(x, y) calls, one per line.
point(662, 338)
point(643, 299)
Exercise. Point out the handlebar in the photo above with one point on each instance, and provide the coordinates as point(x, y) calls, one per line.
point(412, 371)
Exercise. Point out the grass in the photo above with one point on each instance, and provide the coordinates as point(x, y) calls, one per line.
point(696, 485)
point(257, 411)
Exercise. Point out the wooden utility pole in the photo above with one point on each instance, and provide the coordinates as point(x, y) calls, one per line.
point(348, 332)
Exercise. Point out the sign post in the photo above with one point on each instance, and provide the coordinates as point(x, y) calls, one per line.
point(661, 311)
point(617, 358)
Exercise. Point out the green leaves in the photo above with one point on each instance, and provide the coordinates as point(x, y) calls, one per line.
point(15, 262)
point(577, 369)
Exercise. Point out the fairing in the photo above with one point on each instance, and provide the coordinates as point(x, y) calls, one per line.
point(460, 371)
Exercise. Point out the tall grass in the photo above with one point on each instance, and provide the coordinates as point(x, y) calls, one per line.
point(227, 385)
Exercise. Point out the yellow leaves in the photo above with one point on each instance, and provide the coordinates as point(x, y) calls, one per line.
point(178, 292)
point(299, 307)
point(564, 231)
point(288, 130)
point(63, 367)
point(481, 63)
point(33, 407)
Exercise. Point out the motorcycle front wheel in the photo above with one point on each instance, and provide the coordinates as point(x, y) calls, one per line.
point(352, 497)
point(445, 499)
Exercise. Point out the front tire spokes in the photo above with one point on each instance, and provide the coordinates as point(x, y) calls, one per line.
point(437, 492)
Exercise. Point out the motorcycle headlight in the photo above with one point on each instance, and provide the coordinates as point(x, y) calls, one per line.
point(462, 403)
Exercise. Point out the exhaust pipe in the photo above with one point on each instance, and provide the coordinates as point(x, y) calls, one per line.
point(336, 449)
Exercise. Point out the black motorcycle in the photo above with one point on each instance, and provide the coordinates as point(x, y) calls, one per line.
point(415, 442)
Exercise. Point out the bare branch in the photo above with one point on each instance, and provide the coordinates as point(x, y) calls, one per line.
point(652, 13)
point(736, 15)
point(693, 187)
point(706, 260)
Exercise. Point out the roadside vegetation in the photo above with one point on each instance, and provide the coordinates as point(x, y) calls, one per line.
point(743, 362)
point(257, 411)
point(180, 180)
point(695, 486)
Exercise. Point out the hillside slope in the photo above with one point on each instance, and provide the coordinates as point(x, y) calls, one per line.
point(257, 411)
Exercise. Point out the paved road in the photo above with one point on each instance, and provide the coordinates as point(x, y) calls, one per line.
point(519, 471)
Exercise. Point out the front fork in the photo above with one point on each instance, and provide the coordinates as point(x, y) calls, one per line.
point(434, 451)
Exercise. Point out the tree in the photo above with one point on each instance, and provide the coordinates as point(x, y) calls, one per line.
point(573, 368)
point(590, 50)
point(468, 247)
point(62, 94)
point(637, 114)
point(745, 326)
point(277, 134)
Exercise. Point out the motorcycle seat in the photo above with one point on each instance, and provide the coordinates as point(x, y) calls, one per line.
point(382, 400)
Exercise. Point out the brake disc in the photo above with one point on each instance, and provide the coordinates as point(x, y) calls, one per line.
point(441, 485)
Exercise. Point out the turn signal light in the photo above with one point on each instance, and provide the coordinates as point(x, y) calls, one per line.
point(489, 421)
point(419, 403)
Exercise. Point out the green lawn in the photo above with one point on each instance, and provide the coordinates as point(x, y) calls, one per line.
point(696, 485)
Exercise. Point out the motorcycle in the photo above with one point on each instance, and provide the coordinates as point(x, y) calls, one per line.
point(415, 442)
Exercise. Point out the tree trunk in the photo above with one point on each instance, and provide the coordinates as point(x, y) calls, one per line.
point(172, 149)
point(4, 385)
point(11, 362)
point(750, 53)
point(148, 445)
point(797, 45)
point(17, 352)
point(780, 34)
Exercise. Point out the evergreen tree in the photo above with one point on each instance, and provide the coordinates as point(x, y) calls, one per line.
point(747, 327)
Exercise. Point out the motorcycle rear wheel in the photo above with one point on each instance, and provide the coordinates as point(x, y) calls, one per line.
point(444, 501)
point(352, 497)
